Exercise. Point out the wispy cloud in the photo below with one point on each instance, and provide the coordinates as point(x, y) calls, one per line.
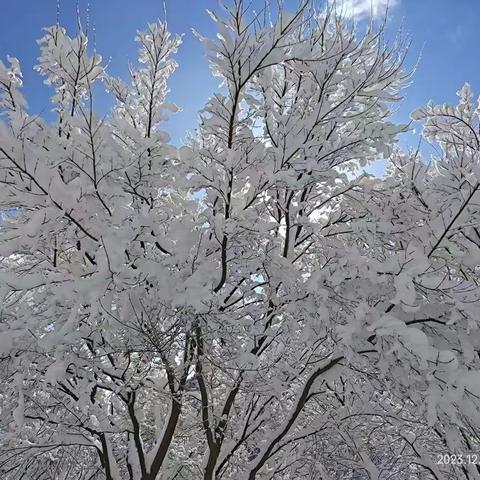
point(457, 34)
point(365, 8)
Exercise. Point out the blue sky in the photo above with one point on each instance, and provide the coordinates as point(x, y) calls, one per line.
point(443, 31)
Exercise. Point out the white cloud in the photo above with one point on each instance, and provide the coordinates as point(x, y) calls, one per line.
point(365, 8)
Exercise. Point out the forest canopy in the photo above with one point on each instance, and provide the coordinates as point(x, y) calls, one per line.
point(249, 305)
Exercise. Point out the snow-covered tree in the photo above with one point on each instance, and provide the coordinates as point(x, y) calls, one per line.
point(248, 306)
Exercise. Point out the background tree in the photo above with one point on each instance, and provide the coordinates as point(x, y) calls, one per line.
point(247, 306)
